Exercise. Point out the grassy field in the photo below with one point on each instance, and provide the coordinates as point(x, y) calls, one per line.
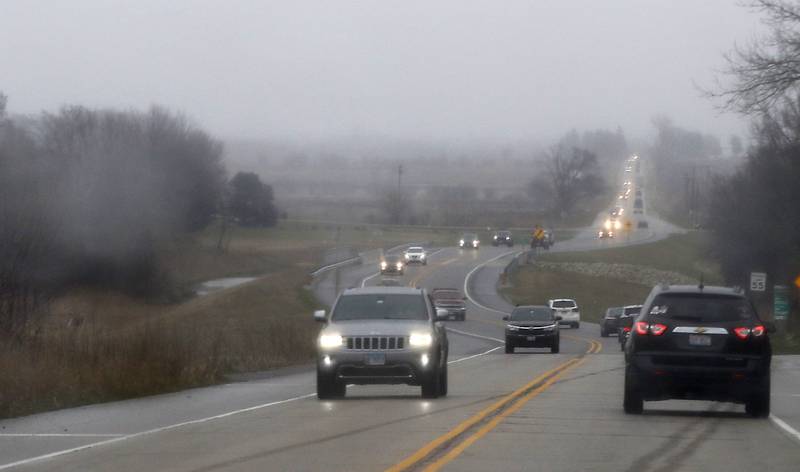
point(684, 253)
point(532, 285)
point(96, 345)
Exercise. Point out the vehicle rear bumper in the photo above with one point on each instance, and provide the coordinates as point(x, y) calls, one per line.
point(706, 376)
point(453, 311)
point(567, 318)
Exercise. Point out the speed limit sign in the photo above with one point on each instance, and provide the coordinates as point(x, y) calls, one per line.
point(758, 281)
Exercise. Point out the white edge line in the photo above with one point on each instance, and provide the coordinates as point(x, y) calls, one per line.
point(148, 432)
point(331, 266)
point(464, 333)
point(197, 421)
point(462, 359)
point(60, 435)
point(477, 267)
point(785, 427)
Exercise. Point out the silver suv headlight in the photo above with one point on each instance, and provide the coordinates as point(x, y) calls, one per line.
point(328, 341)
point(420, 340)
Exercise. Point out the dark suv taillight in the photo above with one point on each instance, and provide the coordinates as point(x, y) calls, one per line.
point(743, 332)
point(656, 329)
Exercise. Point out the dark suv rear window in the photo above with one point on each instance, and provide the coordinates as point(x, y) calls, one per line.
point(447, 295)
point(380, 307)
point(702, 308)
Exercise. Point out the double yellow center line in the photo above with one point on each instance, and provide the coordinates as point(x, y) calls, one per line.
point(434, 455)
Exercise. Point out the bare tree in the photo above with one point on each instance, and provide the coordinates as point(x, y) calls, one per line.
point(574, 175)
point(767, 70)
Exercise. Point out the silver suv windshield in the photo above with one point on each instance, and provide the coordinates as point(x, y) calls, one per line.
point(380, 307)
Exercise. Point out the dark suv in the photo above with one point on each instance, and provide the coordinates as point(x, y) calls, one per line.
point(625, 323)
point(700, 343)
point(610, 321)
point(532, 326)
point(503, 237)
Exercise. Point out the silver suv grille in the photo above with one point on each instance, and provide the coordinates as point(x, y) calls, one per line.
point(374, 343)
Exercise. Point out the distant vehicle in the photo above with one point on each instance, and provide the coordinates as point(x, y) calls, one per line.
point(532, 326)
point(638, 193)
point(610, 321)
point(638, 211)
point(698, 343)
point(416, 255)
point(550, 238)
point(382, 335)
point(642, 224)
point(502, 237)
point(568, 310)
point(469, 240)
point(392, 264)
point(638, 203)
point(610, 227)
point(617, 212)
point(625, 323)
point(386, 282)
point(452, 300)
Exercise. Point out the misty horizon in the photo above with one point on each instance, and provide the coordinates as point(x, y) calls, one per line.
point(444, 72)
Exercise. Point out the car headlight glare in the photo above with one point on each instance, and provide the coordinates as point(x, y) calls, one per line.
point(475, 243)
point(330, 340)
point(399, 265)
point(461, 242)
point(420, 340)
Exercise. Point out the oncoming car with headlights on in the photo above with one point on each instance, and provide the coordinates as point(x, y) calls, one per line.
point(469, 240)
point(392, 265)
point(609, 228)
point(382, 335)
point(532, 326)
point(416, 255)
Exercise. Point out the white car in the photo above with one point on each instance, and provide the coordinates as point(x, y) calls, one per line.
point(568, 310)
point(416, 255)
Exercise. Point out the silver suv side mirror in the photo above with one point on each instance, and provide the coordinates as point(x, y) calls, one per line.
point(442, 314)
point(319, 316)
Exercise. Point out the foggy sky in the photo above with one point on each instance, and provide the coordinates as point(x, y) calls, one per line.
point(451, 69)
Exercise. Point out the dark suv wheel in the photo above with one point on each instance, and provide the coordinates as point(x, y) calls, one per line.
point(435, 385)
point(632, 401)
point(329, 387)
point(509, 347)
point(757, 405)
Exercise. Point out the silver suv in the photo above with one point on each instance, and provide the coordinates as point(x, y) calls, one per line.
point(382, 335)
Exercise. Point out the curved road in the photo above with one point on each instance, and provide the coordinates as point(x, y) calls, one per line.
point(528, 411)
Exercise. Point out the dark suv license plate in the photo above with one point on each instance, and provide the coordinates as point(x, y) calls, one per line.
point(699, 340)
point(375, 359)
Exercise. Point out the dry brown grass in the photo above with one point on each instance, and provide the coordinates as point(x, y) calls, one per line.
point(96, 345)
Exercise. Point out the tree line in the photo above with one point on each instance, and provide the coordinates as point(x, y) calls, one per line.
point(755, 213)
point(89, 196)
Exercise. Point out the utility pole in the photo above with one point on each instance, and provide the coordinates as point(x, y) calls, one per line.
point(399, 178)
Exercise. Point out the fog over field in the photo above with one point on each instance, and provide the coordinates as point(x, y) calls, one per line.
point(420, 70)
